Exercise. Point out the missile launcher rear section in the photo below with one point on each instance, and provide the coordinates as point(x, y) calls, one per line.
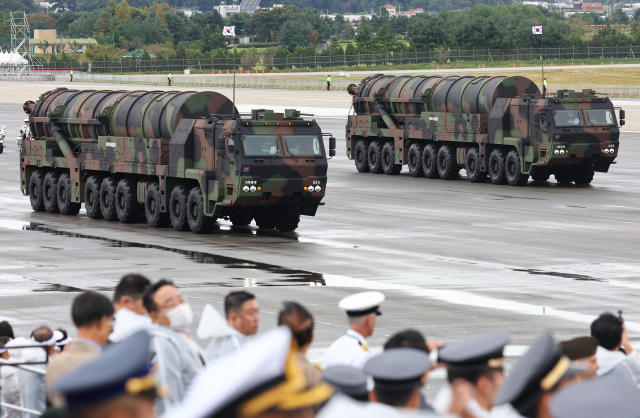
point(495, 127)
point(181, 159)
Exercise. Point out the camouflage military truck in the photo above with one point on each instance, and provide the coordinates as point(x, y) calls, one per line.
point(180, 158)
point(498, 127)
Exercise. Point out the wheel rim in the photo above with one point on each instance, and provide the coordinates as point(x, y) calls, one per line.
point(121, 200)
point(63, 193)
point(387, 158)
point(494, 166)
point(47, 192)
point(512, 168)
point(89, 198)
point(443, 162)
point(152, 205)
point(427, 161)
point(412, 160)
point(472, 166)
point(359, 157)
point(194, 211)
point(176, 208)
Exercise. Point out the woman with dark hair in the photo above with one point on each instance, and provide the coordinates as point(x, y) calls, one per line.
point(6, 330)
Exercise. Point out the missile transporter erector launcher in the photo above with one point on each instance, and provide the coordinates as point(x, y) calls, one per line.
point(181, 158)
point(498, 127)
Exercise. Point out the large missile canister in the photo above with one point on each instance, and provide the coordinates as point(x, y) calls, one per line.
point(411, 95)
point(90, 113)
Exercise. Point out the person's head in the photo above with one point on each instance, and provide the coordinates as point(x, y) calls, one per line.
point(486, 382)
point(364, 325)
point(124, 406)
point(300, 320)
point(400, 398)
point(167, 307)
point(582, 351)
point(4, 353)
point(243, 314)
point(43, 336)
point(607, 329)
point(92, 313)
point(6, 330)
point(409, 338)
point(129, 293)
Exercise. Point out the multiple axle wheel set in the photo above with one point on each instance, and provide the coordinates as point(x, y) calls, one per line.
point(116, 198)
point(434, 160)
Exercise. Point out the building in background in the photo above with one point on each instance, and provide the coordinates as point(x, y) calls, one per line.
point(537, 3)
point(48, 38)
point(249, 6)
point(137, 53)
point(390, 8)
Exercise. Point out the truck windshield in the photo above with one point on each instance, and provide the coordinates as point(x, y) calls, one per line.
point(303, 144)
point(599, 116)
point(567, 117)
point(260, 145)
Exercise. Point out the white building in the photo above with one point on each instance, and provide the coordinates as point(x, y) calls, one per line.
point(391, 9)
point(353, 19)
point(537, 3)
point(227, 10)
point(189, 11)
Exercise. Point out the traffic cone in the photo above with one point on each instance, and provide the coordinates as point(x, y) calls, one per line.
point(438, 67)
point(482, 65)
point(572, 63)
point(289, 71)
point(514, 66)
point(256, 71)
point(248, 72)
point(262, 72)
point(611, 62)
point(309, 69)
point(552, 64)
point(520, 65)
point(602, 63)
point(220, 72)
point(227, 71)
point(583, 63)
point(478, 65)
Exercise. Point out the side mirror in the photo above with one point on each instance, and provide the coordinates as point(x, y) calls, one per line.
point(332, 152)
point(332, 143)
point(220, 143)
point(622, 113)
point(536, 117)
point(621, 122)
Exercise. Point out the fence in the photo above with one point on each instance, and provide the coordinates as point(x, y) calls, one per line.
point(131, 65)
point(297, 83)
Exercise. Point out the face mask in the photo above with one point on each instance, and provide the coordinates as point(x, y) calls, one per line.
point(180, 317)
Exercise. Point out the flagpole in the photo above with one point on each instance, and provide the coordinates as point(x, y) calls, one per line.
point(234, 75)
point(542, 38)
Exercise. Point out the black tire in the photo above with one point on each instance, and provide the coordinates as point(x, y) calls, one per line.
point(584, 175)
point(63, 193)
point(152, 203)
point(178, 209)
point(414, 158)
point(374, 156)
point(540, 176)
point(496, 167)
point(564, 177)
point(429, 161)
point(360, 156)
point(288, 221)
point(474, 172)
point(265, 221)
point(388, 160)
point(50, 192)
point(199, 223)
point(515, 177)
point(447, 166)
point(241, 219)
point(92, 197)
point(35, 191)
point(127, 206)
point(108, 199)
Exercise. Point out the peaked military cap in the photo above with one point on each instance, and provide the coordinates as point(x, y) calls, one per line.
point(398, 368)
point(121, 369)
point(477, 353)
point(262, 375)
point(597, 398)
point(362, 303)
point(348, 380)
point(579, 348)
point(538, 371)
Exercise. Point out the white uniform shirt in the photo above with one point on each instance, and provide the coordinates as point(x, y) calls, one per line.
point(349, 350)
point(443, 403)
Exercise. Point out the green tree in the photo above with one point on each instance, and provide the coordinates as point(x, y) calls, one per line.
point(213, 40)
point(123, 11)
point(103, 24)
point(364, 39)
point(429, 35)
point(294, 33)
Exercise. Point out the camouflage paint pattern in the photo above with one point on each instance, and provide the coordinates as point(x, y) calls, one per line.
point(483, 113)
point(170, 138)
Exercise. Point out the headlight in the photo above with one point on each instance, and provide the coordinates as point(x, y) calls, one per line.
point(253, 188)
point(556, 152)
point(245, 189)
point(318, 189)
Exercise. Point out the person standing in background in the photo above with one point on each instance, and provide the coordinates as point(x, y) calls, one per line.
point(169, 78)
point(328, 82)
point(71, 75)
point(92, 314)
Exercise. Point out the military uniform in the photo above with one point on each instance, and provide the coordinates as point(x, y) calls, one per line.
point(351, 349)
point(597, 398)
point(121, 371)
point(465, 359)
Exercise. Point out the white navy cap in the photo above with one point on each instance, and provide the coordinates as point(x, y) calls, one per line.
point(362, 303)
point(597, 398)
point(263, 375)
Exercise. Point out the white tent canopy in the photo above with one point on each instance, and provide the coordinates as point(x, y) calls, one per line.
point(11, 58)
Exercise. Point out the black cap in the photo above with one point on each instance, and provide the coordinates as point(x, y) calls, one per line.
point(597, 398)
point(348, 380)
point(398, 368)
point(477, 353)
point(579, 348)
point(122, 369)
point(538, 371)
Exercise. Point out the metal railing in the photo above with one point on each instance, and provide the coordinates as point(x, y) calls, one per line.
point(317, 61)
point(26, 366)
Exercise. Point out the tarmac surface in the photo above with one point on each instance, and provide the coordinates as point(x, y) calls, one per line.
point(453, 258)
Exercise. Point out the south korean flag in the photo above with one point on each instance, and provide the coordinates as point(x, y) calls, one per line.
point(229, 31)
point(537, 30)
